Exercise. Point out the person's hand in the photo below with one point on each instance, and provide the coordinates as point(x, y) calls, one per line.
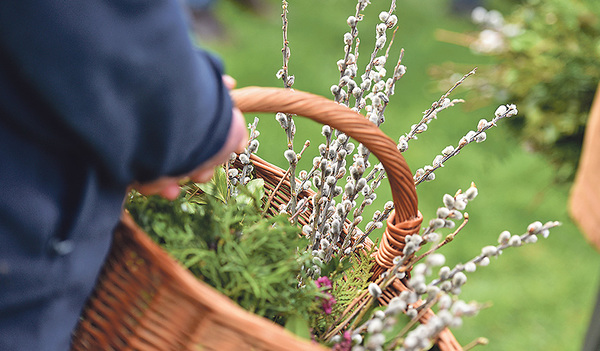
point(237, 138)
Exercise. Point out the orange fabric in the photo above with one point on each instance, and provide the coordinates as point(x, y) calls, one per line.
point(584, 203)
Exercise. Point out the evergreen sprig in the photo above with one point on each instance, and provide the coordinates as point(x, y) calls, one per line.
point(224, 241)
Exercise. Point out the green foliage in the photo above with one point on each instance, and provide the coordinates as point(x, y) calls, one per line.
point(224, 241)
point(350, 276)
point(337, 265)
point(354, 281)
point(298, 325)
point(551, 71)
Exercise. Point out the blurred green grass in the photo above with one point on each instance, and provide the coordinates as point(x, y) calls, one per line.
point(542, 294)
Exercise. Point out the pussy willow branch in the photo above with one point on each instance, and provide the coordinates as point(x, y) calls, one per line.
point(376, 49)
point(318, 202)
point(359, 103)
point(359, 211)
point(285, 175)
point(474, 343)
point(286, 49)
point(288, 81)
point(348, 48)
point(499, 248)
point(246, 170)
point(380, 120)
point(447, 240)
point(429, 114)
point(400, 336)
point(462, 143)
point(408, 260)
point(358, 98)
point(382, 217)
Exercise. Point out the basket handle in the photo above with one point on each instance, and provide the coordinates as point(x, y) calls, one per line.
point(325, 111)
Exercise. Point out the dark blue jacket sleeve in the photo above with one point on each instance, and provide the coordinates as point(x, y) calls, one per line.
point(121, 82)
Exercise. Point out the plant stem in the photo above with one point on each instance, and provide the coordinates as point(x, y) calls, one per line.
point(474, 343)
point(448, 239)
point(400, 337)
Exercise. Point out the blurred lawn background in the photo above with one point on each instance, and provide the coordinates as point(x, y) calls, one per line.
point(542, 294)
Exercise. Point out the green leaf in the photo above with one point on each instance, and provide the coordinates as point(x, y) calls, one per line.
point(335, 265)
point(298, 325)
point(257, 188)
point(217, 187)
point(252, 193)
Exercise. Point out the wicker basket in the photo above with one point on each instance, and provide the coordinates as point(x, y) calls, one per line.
point(144, 300)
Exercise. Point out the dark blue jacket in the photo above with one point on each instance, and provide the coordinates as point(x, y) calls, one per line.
point(93, 95)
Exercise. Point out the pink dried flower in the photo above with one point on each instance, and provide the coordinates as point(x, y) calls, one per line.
point(323, 282)
point(327, 302)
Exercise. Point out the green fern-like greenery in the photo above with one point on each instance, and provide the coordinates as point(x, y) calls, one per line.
point(350, 276)
point(354, 281)
point(226, 242)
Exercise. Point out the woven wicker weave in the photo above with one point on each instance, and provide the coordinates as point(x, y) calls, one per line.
point(146, 301)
